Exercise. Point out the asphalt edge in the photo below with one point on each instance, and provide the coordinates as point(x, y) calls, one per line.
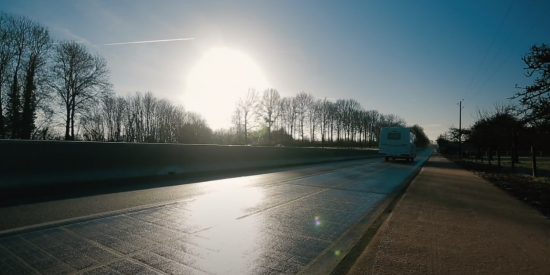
point(356, 240)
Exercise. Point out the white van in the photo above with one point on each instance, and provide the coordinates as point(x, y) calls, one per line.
point(397, 142)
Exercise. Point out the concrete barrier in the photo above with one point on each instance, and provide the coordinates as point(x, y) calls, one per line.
point(36, 163)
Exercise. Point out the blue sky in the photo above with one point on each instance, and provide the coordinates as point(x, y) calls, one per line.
point(416, 59)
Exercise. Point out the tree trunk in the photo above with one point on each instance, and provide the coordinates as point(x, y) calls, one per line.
point(331, 133)
point(269, 135)
point(360, 137)
point(13, 110)
point(68, 124)
point(515, 153)
point(338, 136)
point(72, 121)
point(245, 133)
point(302, 133)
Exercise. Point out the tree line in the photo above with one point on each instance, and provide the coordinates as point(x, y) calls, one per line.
point(48, 85)
point(304, 119)
point(513, 126)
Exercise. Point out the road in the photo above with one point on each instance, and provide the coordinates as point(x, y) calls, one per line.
point(281, 222)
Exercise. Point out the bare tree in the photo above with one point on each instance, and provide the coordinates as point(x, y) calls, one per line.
point(314, 113)
point(237, 120)
point(113, 108)
point(93, 124)
point(286, 119)
point(149, 110)
point(374, 118)
point(324, 109)
point(268, 110)
point(79, 79)
point(39, 45)
point(535, 98)
point(349, 108)
point(7, 54)
point(303, 103)
point(19, 27)
point(196, 130)
point(340, 115)
point(291, 110)
point(247, 108)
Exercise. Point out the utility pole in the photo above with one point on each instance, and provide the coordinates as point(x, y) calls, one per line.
point(460, 129)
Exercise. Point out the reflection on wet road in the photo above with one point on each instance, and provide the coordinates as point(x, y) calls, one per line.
point(238, 226)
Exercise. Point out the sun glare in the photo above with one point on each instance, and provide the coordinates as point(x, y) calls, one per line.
point(216, 83)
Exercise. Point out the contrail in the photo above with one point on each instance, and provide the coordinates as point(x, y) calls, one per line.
point(57, 43)
point(149, 41)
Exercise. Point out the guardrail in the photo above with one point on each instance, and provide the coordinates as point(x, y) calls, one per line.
point(35, 163)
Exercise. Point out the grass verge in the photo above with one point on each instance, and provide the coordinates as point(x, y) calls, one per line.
point(517, 182)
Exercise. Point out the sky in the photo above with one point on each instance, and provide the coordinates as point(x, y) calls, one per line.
point(415, 59)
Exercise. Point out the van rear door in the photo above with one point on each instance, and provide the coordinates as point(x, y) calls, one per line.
point(394, 144)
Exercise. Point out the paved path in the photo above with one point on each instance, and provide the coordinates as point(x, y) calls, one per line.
point(248, 225)
point(451, 222)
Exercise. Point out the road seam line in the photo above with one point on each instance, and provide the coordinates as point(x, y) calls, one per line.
point(19, 258)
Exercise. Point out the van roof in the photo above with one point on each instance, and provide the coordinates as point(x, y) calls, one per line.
point(396, 128)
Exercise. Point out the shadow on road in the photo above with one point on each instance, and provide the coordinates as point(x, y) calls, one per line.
point(442, 165)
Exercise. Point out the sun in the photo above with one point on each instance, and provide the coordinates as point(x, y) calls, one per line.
point(216, 83)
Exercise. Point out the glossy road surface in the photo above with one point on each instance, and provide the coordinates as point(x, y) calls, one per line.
point(261, 224)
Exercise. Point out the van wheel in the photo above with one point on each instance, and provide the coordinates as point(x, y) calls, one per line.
point(412, 159)
point(386, 159)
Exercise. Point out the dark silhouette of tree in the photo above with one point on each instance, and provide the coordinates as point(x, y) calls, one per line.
point(303, 103)
point(268, 110)
point(14, 108)
point(314, 117)
point(351, 106)
point(422, 139)
point(19, 27)
point(498, 129)
point(93, 123)
point(38, 48)
point(324, 113)
point(290, 114)
point(79, 79)
point(114, 108)
point(195, 130)
point(339, 115)
point(535, 98)
point(247, 108)
point(127, 119)
point(7, 53)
